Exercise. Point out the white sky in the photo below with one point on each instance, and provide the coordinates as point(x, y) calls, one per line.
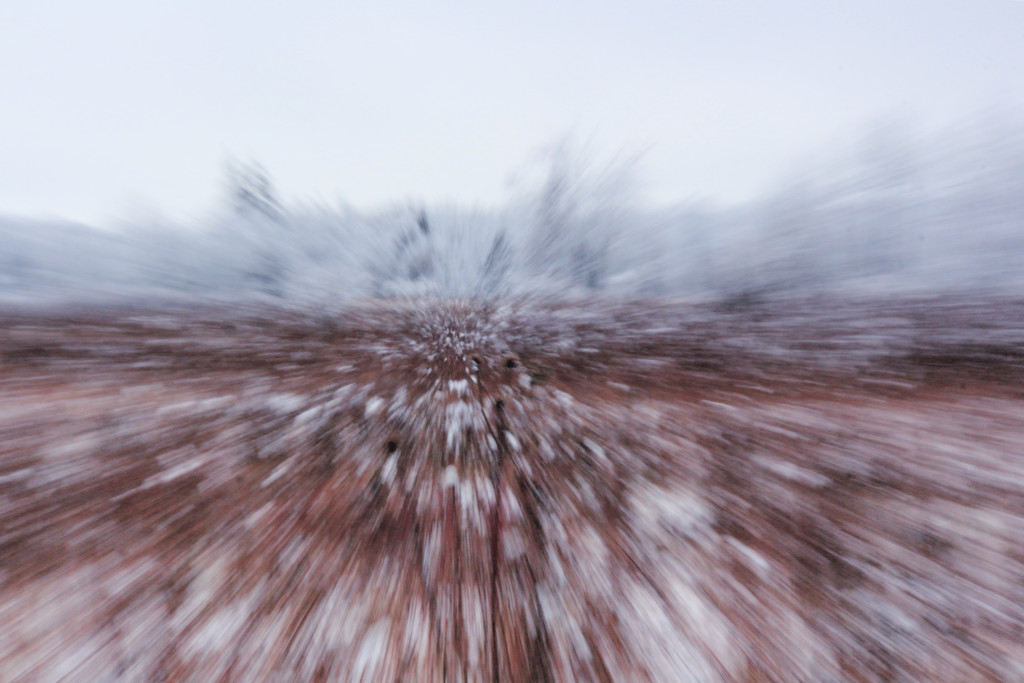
point(108, 106)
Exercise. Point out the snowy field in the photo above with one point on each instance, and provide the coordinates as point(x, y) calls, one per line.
point(815, 489)
point(567, 439)
point(543, 341)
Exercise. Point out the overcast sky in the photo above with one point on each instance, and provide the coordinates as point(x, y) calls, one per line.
point(108, 106)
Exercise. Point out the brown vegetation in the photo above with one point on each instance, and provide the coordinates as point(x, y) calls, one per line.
point(453, 491)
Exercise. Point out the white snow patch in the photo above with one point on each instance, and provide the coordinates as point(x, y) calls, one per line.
point(450, 478)
point(485, 491)
point(594, 448)
point(755, 557)
point(372, 651)
point(278, 472)
point(563, 398)
point(458, 386)
point(676, 509)
point(285, 403)
point(793, 472)
point(254, 518)
point(308, 415)
point(387, 472)
point(458, 416)
point(512, 545)
point(172, 473)
point(373, 406)
point(546, 451)
point(512, 441)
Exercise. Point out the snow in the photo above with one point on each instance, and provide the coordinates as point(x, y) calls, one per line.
point(277, 473)
point(372, 651)
point(388, 470)
point(175, 472)
point(459, 387)
point(512, 441)
point(373, 406)
point(684, 536)
point(285, 402)
point(450, 478)
point(941, 213)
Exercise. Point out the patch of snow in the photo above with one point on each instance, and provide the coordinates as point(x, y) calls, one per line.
point(450, 477)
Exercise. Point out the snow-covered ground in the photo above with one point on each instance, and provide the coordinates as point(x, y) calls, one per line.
point(566, 439)
point(813, 489)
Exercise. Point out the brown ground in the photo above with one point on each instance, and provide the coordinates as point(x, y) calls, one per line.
point(814, 491)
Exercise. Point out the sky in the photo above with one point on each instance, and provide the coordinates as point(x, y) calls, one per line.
point(111, 109)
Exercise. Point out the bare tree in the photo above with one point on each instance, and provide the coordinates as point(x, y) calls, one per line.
point(255, 201)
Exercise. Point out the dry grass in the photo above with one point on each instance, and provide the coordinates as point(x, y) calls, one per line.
point(807, 492)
